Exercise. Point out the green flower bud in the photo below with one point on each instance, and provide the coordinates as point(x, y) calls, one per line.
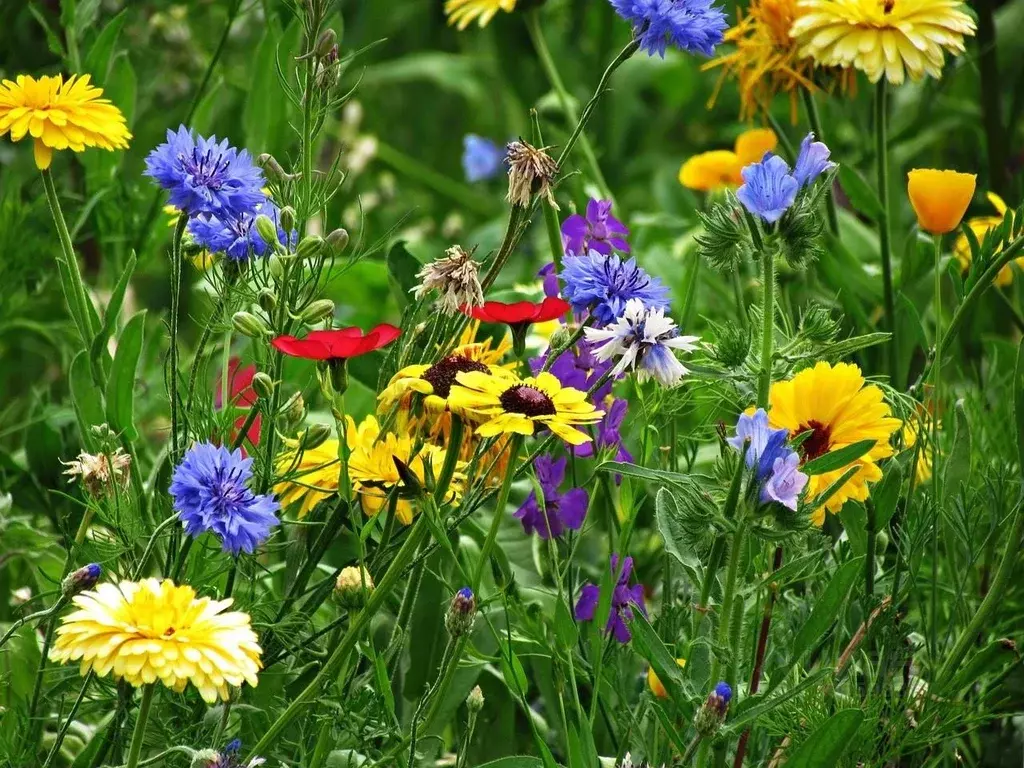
point(267, 300)
point(293, 411)
point(725, 241)
point(818, 325)
point(314, 436)
point(276, 265)
point(263, 385)
point(271, 167)
point(352, 587)
point(310, 247)
point(266, 229)
point(327, 40)
point(475, 700)
point(287, 219)
point(317, 311)
point(733, 345)
point(338, 241)
point(82, 579)
point(249, 325)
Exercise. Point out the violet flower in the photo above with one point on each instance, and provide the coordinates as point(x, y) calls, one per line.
point(599, 231)
point(561, 511)
point(624, 599)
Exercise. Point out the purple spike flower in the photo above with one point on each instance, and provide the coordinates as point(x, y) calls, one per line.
point(624, 599)
point(599, 231)
point(561, 511)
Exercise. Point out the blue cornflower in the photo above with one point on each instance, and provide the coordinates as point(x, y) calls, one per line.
point(481, 158)
point(767, 452)
point(204, 176)
point(812, 161)
point(235, 236)
point(210, 495)
point(692, 25)
point(769, 188)
point(603, 285)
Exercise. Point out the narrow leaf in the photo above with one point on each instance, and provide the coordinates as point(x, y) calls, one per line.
point(121, 386)
point(838, 458)
point(828, 742)
point(826, 608)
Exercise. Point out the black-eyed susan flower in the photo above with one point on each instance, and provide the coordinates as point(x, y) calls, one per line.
point(939, 198)
point(149, 630)
point(462, 13)
point(838, 408)
point(720, 168)
point(890, 38)
point(510, 405)
point(59, 114)
point(980, 225)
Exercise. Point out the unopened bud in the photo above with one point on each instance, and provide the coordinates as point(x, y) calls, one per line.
point(82, 579)
point(287, 219)
point(475, 700)
point(461, 614)
point(249, 325)
point(317, 311)
point(353, 587)
point(266, 229)
point(102, 431)
point(276, 266)
point(293, 412)
point(338, 240)
point(712, 712)
point(267, 300)
point(271, 167)
point(314, 436)
point(310, 247)
point(562, 335)
point(327, 40)
point(263, 385)
point(204, 758)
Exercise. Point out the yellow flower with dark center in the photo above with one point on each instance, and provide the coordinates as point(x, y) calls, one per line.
point(149, 630)
point(890, 38)
point(838, 408)
point(720, 168)
point(765, 59)
point(462, 13)
point(510, 405)
point(980, 225)
point(939, 198)
point(60, 115)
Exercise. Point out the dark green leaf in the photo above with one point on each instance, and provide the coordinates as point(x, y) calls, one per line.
point(828, 742)
point(1018, 404)
point(958, 464)
point(993, 656)
point(862, 197)
point(672, 530)
point(838, 458)
point(826, 608)
point(97, 61)
point(565, 626)
point(99, 343)
point(886, 494)
point(512, 670)
point(121, 386)
point(515, 761)
point(87, 398)
point(402, 269)
point(649, 645)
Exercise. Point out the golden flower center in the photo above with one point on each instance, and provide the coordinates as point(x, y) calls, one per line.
point(441, 375)
point(527, 400)
point(818, 443)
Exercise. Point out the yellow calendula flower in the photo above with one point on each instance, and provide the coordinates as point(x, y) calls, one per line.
point(838, 408)
point(890, 38)
point(149, 630)
point(59, 114)
point(720, 168)
point(655, 684)
point(939, 198)
point(911, 433)
point(462, 13)
point(510, 405)
point(980, 225)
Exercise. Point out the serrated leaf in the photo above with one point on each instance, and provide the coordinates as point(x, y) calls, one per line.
point(121, 386)
point(828, 742)
point(838, 458)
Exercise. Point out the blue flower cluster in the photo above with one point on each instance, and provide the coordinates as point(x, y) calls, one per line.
point(218, 186)
point(211, 495)
point(767, 452)
point(770, 188)
point(690, 25)
point(602, 285)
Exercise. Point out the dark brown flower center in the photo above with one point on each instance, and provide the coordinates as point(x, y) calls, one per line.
point(441, 375)
point(818, 443)
point(887, 6)
point(527, 400)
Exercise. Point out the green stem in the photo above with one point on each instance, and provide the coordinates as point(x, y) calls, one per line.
point(179, 233)
point(499, 511)
point(565, 99)
point(991, 109)
point(197, 358)
point(815, 121)
point(764, 380)
point(451, 458)
point(138, 735)
point(884, 226)
point(936, 479)
point(869, 565)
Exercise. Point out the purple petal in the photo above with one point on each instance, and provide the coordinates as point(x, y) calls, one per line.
point(572, 508)
point(586, 606)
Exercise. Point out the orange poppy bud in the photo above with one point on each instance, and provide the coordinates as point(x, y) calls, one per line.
point(939, 198)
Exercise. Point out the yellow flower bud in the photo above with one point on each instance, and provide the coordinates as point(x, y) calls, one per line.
point(939, 198)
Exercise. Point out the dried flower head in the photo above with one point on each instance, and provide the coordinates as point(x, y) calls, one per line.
point(455, 277)
point(530, 170)
point(101, 473)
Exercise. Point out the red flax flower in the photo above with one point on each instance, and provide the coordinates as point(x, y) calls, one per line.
point(519, 315)
point(242, 396)
point(337, 346)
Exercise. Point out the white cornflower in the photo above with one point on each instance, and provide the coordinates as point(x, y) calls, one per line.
point(644, 341)
point(454, 277)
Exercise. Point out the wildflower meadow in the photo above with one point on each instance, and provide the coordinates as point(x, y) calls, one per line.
point(511, 383)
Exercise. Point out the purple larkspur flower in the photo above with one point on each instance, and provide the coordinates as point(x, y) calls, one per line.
point(624, 599)
point(550, 276)
point(812, 161)
point(561, 511)
point(210, 493)
point(598, 231)
point(206, 176)
point(768, 188)
point(481, 158)
point(608, 434)
point(603, 284)
point(691, 25)
point(767, 451)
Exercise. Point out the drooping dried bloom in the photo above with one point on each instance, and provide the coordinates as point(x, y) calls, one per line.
point(455, 277)
point(101, 473)
point(530, 170)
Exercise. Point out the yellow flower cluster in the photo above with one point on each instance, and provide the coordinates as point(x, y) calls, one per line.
point(720, 168)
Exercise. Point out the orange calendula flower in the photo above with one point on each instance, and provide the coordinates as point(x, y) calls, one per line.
point(980, 225)
point(720, 168)
point(59, 114)
point(940, 198)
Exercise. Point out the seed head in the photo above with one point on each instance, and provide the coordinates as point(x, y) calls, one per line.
point(101, 473)
point(530, 171)
point(455, 278)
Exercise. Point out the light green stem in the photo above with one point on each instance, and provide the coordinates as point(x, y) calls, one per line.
point(884, 226)
point(139, 734)
point(499, 511)
point(815, 121)
point(936, 479)
point(764, 380)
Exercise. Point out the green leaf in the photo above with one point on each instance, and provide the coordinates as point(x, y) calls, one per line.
point(121, 386)
point(752, 707)
point(838, 458)
point(828, 742)
point(649, 645)
point(515, 761)
point(886, 494)
point(841, 350)
point(86, 12)
point(512, 670)
point(672, 529)
point(1018, 404)
point(85, 396)
point(993, 656)
point(110, 316)
point(958, 464)
point(826, 608)
point(862, 197)
point(97, 61)
point(565, 626)
point(402, 269)
point(910, 332)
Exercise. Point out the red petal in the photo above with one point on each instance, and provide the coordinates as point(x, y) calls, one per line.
point(500, 312)
point(304, 348)
point(551, 308)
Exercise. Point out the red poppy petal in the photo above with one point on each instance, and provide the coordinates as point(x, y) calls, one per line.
point(335, 333)
point(551, 308)
point(500, 312)
point(386, 333)
point(304, 348)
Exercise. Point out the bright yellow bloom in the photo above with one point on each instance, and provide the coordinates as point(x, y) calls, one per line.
point(509, 405)
point(882, 37)
point(720, 168)
point(910, 433)
point(60, 115)
point(655, 684)
point(836, 405)
point(313, 473)
point(980, 225)
point(462, 13)
point(939, 198)
point(150, 630)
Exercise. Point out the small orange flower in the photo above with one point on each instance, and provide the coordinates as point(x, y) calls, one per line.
point(655, 684)
point(939, 198)
point(720, 168)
